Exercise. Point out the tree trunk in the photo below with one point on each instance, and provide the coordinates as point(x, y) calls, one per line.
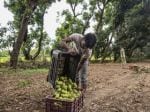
point(18, 43)
point(22, 32)
point(88, 21)
point(39, 48)
point(26, 53)
point(106, 48)
point(41, 37)
point(147, 5)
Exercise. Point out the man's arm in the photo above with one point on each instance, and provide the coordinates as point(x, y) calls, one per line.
point(64, 42)
point(80, 64)
point(86, 55)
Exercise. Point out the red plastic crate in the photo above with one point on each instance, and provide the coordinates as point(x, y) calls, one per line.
point(55, 105)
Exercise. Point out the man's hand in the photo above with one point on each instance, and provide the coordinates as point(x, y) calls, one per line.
point(77, 75)
point(72, 51)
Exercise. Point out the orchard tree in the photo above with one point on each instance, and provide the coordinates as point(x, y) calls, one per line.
point(77, 19)
point(103, 15)
point(132, 27)
point(23, 11)
point(37, 37)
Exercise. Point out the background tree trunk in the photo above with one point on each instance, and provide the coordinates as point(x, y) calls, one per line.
point(41, 37)
point(22, 32)
point(18, 43)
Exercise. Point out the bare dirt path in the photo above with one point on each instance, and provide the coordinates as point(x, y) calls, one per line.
point(116, 89)
point(111, 89)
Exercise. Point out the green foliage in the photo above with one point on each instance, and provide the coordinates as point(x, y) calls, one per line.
point(104, 28)
point(17, 8)
point(121, 8)
point(76, 21)
point(35, 36)
point(70, 26)
point(117, 23)
point(4, 56)
point(133, 33)
point(4, 59)
point(2, 31)
point(8, 38)
point(4, 53)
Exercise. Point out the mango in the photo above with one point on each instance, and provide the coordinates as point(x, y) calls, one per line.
point(66, 89)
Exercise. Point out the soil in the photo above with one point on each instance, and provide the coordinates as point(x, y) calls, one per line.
point(111, 88)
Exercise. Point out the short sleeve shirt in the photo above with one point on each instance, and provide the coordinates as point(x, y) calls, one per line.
point(76, 38)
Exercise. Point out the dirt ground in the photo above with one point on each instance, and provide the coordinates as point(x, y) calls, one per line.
point(112, 88)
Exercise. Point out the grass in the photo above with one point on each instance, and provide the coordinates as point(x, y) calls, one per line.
point(24, 83)
point(26, 72)
point(4, 59)
point(21, 58)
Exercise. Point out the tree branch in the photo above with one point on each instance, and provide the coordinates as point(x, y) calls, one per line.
point(98, 5)
point(88, 21)
point(73, 8)
point(41, 37)
point(101, 11)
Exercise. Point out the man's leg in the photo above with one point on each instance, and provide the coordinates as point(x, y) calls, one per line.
point(84, 75)
point(78, 80)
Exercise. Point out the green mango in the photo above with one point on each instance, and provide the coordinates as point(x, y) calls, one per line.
point(58, 86)
point(78, 94)
point(61, 98)
point(56, 95)
point(64, 87)
point(62, 78)
point(69, 88)
point(59, 90)
point(70, 81)
point(59, 82)
point(74, 85)
point(64, 92)
point(71, 99)
point(64, 95)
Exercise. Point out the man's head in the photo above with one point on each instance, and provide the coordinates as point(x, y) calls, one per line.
point(89, 40)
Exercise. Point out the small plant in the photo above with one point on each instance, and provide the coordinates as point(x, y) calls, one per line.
point(23, 83)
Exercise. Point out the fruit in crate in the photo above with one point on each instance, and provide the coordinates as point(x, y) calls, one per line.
point(66, 89)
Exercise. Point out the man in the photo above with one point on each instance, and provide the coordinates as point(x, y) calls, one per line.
point(83, 45)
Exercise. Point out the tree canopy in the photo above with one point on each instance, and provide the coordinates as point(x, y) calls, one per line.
point(116, 23)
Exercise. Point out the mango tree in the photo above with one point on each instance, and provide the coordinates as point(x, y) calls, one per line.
point(23, 11)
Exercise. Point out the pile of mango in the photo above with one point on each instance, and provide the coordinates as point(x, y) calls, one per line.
point(66, 89)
